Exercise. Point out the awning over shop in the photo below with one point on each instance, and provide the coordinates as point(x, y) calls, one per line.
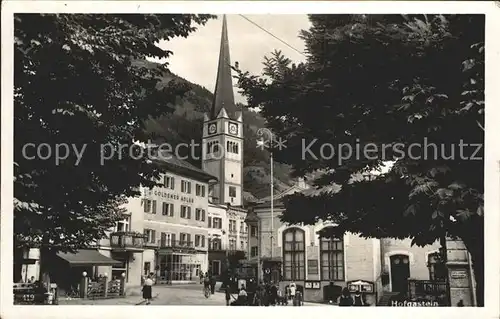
point(88, 257)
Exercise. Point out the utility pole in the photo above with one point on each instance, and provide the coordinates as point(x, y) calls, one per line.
point(272, 196)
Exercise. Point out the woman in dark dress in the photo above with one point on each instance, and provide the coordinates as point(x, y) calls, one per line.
point(228, 295)
point(345, 299)
point(147, 290)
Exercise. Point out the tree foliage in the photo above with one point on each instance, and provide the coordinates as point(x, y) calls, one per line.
point(75, 84)
point(373, 85)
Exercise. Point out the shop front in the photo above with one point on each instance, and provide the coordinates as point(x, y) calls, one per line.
point(177, 266)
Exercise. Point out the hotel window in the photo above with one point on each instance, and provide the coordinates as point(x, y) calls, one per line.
point(163, 239)
point(168, 209)
point(123, 225)
point(254, 250)
point(154, 207)
point(217, 223)
point(185, 212)
point(294, 254)
point(167, 240)
point(186, 187)
point(199, 214)
point(232, 147)
point(147, 205)
point(197, 240)
point(202, 241)
point(253, 231)
point(169, 182)
point(232, 244)
point(150, 235)
point(209, 222)
point(200, 190)
point(185, 240)
point(232, 226)
point(216, 244)
point(242, 227)
point(232, 191)
point(332, 259)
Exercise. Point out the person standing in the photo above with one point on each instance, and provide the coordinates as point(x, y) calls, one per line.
point(242, 296)
point(358, 299)
point(147, 290)
point(213, 282)
point(274, 294)
point(206, 281)
point(345, 299)
point(228, 295)
point(293, 291)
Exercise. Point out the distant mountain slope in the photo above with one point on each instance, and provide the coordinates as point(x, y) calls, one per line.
point(185, 125)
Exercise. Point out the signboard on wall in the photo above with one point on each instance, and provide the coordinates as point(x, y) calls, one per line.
point(312, 284)
point(361, 285)
point(458, 274)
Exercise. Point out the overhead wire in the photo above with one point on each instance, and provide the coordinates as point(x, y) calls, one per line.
point(272, 35)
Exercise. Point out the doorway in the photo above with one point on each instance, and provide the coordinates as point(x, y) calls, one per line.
point(400, 272)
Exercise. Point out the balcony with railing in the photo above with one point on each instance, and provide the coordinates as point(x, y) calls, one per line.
point(127, 241)
point(229, 249)
point(176, 244)
point(429, 290)
point(233, 233)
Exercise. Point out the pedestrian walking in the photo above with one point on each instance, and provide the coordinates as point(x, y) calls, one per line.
point(213, 282)
point(206, 281)
point(147, 290)
point(228, 295)
point(345, 299)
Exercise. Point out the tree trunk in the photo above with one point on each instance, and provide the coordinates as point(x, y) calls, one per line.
point(473, 238)
point(45, 260)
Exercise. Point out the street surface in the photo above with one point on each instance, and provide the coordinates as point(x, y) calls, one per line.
point(166, 295)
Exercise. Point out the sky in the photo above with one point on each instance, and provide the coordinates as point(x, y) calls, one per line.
point(195, 58)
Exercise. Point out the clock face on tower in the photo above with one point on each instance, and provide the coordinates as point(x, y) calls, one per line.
point(212, 128)
point(233, 128)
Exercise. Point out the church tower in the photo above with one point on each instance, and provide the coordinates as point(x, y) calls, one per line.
point(223, 133)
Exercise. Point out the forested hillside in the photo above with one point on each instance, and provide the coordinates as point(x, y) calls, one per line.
point(185, 125)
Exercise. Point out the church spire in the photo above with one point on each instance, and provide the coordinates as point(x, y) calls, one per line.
point(223, 95)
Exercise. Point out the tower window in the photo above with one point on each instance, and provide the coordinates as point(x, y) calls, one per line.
point(232, 147)
point(212, 147)
point(232, 191)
